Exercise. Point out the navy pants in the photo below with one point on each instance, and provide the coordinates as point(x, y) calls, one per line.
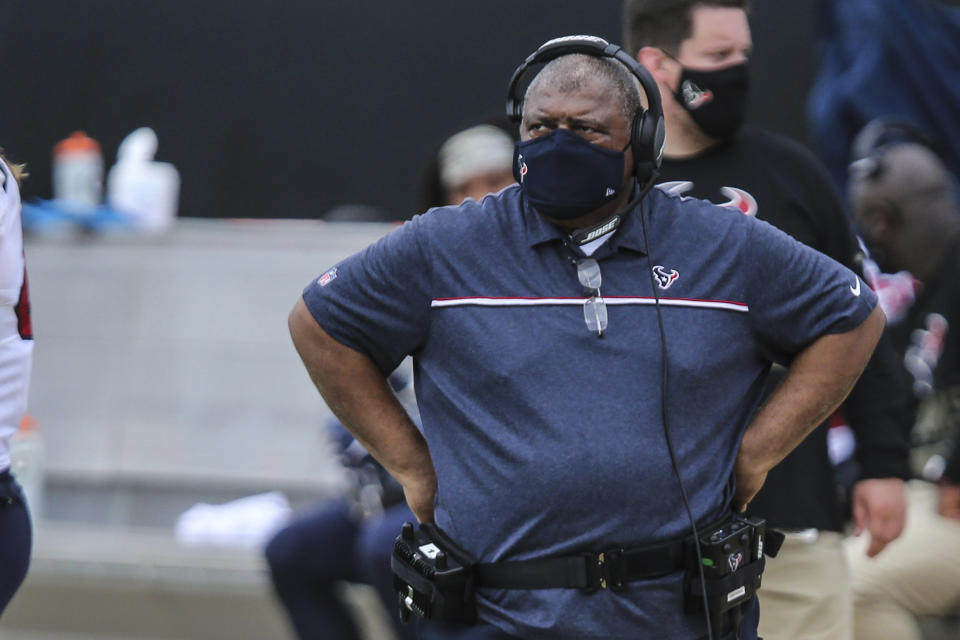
point(436, 631)
point(310, 556)
point(15, 538)
point(480, 631)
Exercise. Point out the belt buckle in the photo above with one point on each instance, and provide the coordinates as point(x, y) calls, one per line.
point(594, 573)
point(615, 570)
point(606, 570)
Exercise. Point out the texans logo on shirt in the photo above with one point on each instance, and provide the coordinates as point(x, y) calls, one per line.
point(739, 199)
point(665, 278)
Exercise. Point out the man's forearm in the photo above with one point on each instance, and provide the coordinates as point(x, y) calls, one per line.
point(817, 381)
point(360, 396)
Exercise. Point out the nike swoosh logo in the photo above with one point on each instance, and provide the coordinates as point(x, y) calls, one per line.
point(855, 290)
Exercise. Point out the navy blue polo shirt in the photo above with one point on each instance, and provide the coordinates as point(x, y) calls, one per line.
point(548, 440)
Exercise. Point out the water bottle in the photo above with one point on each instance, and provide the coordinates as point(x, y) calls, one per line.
point(138, 186)
point(78, 172)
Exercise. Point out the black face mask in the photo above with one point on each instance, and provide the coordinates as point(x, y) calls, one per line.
point(716, 100)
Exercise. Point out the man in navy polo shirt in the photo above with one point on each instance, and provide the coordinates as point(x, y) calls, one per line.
point(540, 370)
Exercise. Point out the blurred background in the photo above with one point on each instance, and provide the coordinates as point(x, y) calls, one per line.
point(163, 377)
point(284, 109)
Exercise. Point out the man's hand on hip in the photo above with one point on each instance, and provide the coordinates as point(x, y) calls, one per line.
point(420, 493)
point(749, 482)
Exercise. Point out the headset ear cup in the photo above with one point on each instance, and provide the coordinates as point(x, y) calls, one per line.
point(659, 142)
point(517, 114)
point(640, 144)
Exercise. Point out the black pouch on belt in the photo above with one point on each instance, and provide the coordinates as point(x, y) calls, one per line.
point(732, 558)
point(433, 577)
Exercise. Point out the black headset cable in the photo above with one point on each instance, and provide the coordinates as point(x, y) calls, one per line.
point(665, 411)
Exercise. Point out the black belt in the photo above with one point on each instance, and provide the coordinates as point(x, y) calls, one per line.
point(589, 571)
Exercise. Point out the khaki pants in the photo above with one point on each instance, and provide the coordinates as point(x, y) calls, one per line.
point(917, 574)
point(806, 591)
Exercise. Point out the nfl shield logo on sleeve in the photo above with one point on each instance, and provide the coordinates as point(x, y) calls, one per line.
point(327, 277)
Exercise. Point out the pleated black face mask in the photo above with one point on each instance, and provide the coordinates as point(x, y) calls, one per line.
point(565, 177)
point(716, 100)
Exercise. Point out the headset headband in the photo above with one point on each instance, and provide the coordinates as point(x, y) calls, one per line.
point(589, 45)
point(648, 127)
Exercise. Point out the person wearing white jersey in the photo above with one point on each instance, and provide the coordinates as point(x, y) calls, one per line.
point(16, 356)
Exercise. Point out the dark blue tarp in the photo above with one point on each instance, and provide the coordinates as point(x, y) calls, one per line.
point(886, 58)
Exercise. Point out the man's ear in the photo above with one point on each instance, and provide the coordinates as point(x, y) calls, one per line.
point(657, 63)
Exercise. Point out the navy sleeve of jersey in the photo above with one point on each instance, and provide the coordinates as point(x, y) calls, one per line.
point(377, 301)
point(796, 294)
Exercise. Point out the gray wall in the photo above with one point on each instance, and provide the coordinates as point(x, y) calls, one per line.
point(163, 371)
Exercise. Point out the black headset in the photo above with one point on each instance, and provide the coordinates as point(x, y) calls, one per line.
point(647, 130)
point(866, 151)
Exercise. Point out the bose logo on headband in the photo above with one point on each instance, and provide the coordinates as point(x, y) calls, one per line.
point(594, 39)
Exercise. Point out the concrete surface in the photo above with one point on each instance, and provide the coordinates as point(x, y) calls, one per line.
point(164, 376)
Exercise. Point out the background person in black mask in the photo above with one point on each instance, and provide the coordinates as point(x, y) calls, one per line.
point(698, 52)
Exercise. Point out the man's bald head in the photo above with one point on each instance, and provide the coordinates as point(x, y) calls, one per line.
point(570, 73)
point(907, 174)
point(908, 206)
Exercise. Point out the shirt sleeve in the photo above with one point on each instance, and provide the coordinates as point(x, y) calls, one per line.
point(377, 301)
point(796, 294)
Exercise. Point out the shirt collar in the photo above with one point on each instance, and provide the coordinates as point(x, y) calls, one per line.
point(629, 235)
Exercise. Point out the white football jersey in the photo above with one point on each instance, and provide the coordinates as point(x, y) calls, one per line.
point(16, 332)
